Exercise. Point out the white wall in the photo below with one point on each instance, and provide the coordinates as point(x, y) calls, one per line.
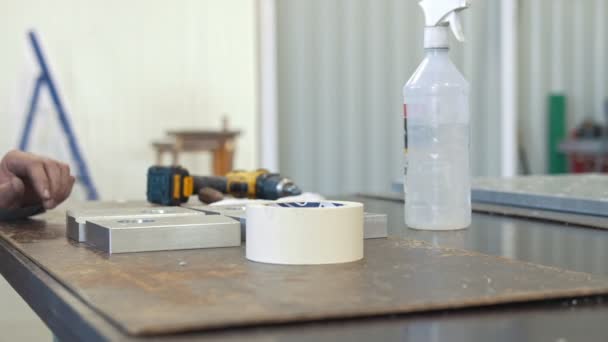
point(128, 71)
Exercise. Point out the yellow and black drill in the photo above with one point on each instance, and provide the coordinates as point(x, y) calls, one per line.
point(173, 185)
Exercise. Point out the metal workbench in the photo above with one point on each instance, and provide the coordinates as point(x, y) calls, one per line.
point(565, 246)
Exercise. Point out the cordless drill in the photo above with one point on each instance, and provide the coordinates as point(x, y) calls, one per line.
point(173, 185)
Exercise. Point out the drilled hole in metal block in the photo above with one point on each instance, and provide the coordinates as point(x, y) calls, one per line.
point(155, 211)
point(137, 221)
point(235, 208)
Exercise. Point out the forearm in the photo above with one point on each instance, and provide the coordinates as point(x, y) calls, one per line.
point(20, 213)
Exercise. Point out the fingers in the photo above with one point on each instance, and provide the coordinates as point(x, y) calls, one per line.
point(55, 181)
point(11, 193)
point(46, 181)
point(64, 176)
point(31, 167)
point(67, 184)
point(60, 180)
point(39, 180)
point(209, 195)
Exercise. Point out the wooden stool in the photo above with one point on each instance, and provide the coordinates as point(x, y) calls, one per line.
point(220, 143)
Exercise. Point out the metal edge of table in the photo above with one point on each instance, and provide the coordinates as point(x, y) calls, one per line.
point(69, 318)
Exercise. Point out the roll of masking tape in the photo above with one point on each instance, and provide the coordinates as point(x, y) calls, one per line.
point(309, 233)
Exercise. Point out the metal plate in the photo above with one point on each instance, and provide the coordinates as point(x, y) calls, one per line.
point(161, 233)
point(578, 194)
point(236, 212)
point(179, 291)
point(548, 215)
point(76, 218)
point(374, 225)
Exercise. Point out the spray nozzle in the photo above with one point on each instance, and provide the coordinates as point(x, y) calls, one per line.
point(445, 12)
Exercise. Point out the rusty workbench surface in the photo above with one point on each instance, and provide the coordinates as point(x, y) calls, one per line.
point(462, 277)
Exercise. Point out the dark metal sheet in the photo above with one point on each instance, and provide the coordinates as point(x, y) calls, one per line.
point(168, 292)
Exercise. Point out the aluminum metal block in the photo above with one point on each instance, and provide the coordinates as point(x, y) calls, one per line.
point(76, 219)
point(157, 233)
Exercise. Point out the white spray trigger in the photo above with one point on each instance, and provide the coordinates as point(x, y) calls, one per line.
point(456, 25)
point(441, 12)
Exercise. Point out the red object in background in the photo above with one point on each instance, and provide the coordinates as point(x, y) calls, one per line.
point(582, 163)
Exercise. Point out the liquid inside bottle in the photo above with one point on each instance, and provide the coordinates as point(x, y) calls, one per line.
point(437, 180)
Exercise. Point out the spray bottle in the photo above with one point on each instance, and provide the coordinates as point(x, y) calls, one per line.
point(437, 180)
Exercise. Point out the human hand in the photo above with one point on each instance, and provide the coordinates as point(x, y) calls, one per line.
point(27, 180)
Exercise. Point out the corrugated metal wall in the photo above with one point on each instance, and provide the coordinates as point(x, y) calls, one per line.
point(563, 49)
point(342, 65)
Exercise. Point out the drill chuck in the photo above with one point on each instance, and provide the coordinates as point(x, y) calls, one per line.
point(272, 186)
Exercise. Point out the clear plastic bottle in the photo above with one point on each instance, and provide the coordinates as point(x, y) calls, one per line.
point(437, 167)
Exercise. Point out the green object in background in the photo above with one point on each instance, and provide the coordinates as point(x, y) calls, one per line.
point(557, 133)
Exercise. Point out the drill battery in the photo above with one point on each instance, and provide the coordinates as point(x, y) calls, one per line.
point(169, 185)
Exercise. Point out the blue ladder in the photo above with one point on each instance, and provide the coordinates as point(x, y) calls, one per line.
point(45, 78)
